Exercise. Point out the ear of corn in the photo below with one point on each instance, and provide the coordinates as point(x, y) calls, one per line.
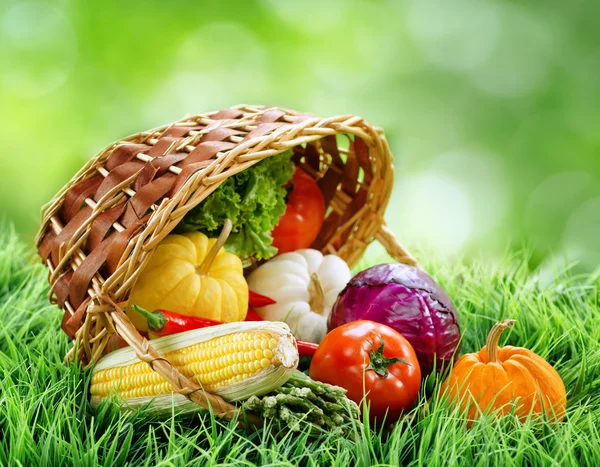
point(234, 361)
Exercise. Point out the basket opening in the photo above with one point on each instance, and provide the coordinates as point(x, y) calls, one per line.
point(101, 229)
point(333, 163)
point(341, 176)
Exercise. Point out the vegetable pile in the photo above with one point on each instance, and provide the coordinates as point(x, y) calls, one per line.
point(367, 342)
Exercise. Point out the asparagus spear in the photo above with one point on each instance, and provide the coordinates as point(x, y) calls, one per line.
point(301, 401)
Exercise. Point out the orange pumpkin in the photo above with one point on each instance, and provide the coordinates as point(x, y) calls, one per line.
point(497, 380)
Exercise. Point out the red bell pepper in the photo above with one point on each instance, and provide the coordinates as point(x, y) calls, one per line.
point(165, 322)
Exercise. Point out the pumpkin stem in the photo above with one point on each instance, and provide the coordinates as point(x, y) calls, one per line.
point(206, 264)
point(317, 294)
point(493, 338)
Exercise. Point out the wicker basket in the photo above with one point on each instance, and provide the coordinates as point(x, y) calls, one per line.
point(101, 229)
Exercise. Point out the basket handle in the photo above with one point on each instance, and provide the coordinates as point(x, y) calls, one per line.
point(387, 238)
point(163, 367)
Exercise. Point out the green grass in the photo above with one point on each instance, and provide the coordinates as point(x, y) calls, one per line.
point(45, 417)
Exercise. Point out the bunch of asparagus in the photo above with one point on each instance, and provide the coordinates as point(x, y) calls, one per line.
point(302, 401)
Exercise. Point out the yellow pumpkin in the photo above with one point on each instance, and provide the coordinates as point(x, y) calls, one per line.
point(190, 275)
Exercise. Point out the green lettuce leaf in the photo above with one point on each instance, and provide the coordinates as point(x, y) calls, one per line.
point(253, 200)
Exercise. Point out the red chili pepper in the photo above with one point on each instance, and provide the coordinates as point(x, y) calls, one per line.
point(258, 300)
point(306, 349)
point(164, 322)
point(253, 315)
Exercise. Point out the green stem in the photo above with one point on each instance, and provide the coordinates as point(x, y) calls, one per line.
point(379, 364)
point(156, 320)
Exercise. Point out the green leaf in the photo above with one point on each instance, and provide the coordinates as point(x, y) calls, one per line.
point(253, 200)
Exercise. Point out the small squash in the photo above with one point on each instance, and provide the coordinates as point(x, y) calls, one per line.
point(305, 284)
point(192, 275)
point(499, 379)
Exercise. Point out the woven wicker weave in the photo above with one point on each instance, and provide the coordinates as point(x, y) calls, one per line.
point(100, 230)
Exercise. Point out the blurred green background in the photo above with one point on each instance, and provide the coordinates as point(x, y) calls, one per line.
point(491, 108)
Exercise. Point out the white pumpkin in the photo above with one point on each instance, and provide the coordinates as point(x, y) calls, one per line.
point(305, 285)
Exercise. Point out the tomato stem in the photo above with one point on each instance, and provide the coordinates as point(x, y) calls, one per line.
point(379, 364)
point(204, 267)
point(491, 344)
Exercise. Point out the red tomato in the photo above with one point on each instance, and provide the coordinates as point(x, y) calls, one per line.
point(372, 359)
point(301, 223)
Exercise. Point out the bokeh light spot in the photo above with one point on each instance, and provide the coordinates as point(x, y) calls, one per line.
point(581, 237)
point(551, 202)
point(431, 211)
point(520, 62)
point(454, 34)
point(311, 16)
point(209, 73)
point(482, 177)
point(38, 48)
